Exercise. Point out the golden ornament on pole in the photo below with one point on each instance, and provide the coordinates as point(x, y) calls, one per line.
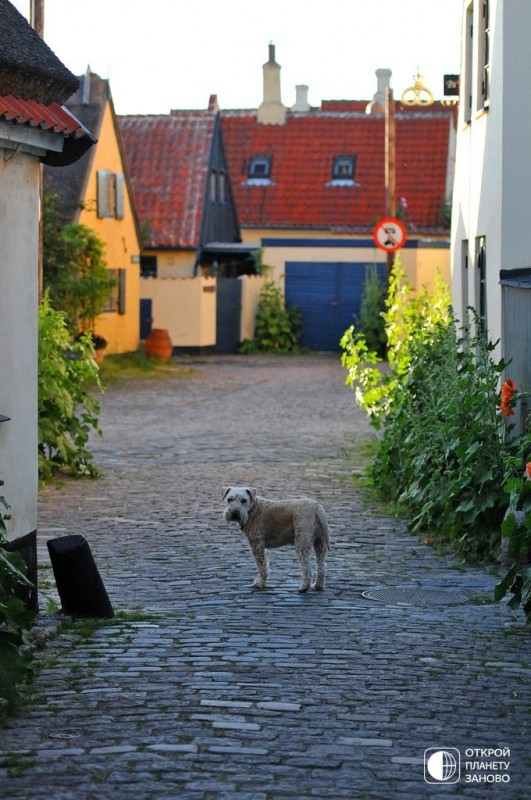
point(418, 94)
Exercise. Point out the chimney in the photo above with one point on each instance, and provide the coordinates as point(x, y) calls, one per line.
point(271, 111)
point(213, 105)
point(301, 98)
point(85, 87)
point(377, 104)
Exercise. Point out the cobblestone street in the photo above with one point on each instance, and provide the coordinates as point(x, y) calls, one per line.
point(208, 690)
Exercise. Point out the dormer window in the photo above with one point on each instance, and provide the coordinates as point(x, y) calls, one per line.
point(259, 171)
point(260, 167)
point(343, 169)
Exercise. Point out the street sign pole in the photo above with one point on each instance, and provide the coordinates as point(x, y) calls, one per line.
point(390, 164)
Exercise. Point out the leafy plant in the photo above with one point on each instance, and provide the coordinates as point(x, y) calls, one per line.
point(74, 268)
point(68, 407)
point(371, 318)
point(516, 526)
point(277, 329)
point(440, 453)
point(15, 622)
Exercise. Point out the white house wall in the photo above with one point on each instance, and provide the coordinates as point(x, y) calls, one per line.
point(19, 215)
point(492, 195)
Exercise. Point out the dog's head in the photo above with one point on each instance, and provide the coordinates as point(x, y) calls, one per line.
point(239, 502)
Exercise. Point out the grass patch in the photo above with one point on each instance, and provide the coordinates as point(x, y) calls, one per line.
point(84, 627)
point(137, 365)
point(16, 764)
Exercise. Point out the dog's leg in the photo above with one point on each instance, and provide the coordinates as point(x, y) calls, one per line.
point(320, 549)
point(302, 549)
point(260, 557)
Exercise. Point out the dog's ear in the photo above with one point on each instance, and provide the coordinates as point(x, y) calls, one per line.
point(226, 490)
point(252, 493)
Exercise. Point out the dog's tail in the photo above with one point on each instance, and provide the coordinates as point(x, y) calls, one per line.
point(323, 525)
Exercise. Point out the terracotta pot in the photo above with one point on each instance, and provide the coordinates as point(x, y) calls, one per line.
point(158, 344)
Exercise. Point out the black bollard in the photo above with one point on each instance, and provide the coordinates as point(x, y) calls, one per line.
point(27, 547)
point(78, 581)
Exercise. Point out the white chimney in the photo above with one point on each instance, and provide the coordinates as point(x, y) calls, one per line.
point(383, 82)
point(271, 111)
point(301, 98)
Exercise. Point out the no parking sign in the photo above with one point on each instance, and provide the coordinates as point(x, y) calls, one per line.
point(389, 234)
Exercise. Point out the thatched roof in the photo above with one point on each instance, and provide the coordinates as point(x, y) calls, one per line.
point(28, 68)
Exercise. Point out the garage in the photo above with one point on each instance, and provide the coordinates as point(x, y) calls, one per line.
point(329, 297)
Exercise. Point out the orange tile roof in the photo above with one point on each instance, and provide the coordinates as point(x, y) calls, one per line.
point(52, 117)
point(168, 157)
point(301, 195)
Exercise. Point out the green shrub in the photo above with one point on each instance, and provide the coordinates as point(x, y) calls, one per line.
point(371, 320)
point(68, 407)
point(440, 454)
point(15, 623)
point(74, 269)
point(277, 329)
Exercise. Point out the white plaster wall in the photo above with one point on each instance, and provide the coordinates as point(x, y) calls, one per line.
point(19, 215)
point(492, 197)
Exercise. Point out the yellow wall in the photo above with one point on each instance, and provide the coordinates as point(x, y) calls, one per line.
point(251, 288)
point(122, 250)
point(186, 307)
point(174, 263)
point(420, 263)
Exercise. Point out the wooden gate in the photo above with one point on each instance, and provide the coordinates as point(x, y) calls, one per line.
point(228, 314)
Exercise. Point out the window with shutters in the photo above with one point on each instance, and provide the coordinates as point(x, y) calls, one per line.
point(481, 282)
point(483, 56)
point(116, 300)
point(468, 63)
point(110, 197)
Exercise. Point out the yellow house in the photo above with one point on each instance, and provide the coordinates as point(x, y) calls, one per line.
point(95, 192)
point(309, 185)
point(192, 256)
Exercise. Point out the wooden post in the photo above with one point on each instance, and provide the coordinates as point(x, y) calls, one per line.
point(37, 23)
point(390, 163)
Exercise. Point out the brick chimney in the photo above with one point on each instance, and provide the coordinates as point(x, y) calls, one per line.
point(271, 111)
point(377, 104)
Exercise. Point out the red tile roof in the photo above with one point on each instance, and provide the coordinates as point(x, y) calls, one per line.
point(52, 117)
point(168, 157)
point(301, 194)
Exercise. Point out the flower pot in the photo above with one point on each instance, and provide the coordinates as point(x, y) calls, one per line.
point(158, 344)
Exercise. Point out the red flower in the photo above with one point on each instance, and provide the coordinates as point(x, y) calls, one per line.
point(508, 390)
point(528, 470)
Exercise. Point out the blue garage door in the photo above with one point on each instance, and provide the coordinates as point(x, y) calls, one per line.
point(329, 297)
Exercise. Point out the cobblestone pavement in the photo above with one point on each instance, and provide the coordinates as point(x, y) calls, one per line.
point(208, 690)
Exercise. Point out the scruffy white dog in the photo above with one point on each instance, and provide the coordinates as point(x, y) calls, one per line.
point(266, 524)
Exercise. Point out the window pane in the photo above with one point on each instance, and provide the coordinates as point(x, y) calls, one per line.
point(260, 167)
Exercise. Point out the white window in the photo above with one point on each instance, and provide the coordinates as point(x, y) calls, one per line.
point(483, 56)
point(260, 167)
point(469, 62)
point(343, 167)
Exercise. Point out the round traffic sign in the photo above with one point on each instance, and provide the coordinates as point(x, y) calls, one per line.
point(389, 234)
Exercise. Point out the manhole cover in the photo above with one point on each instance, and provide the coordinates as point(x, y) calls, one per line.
point(396, 596)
